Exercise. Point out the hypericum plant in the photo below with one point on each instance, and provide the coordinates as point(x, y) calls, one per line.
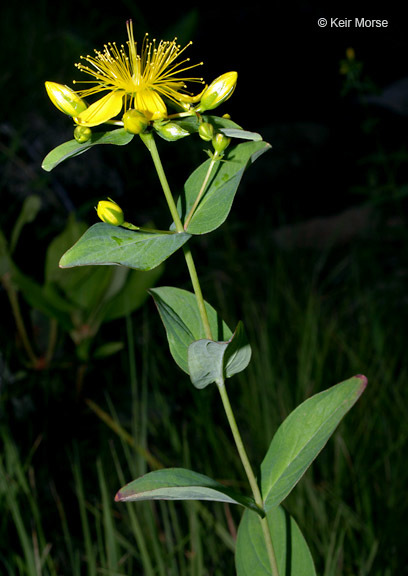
point(135, 90)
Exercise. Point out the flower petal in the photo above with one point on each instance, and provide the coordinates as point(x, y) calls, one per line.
point(102, 110)
point(150, 104)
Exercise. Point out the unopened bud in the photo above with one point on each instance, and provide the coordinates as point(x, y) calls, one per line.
point(134, 121)
point(82, 134)
point(218, 91)
point(110, 213)
point(170, 131)
point(220, 142)
point(206, 131)
point(65, 99)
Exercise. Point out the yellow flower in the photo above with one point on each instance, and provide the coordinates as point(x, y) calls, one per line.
point(135, 80)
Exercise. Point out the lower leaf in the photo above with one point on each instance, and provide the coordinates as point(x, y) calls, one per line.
point(291, 550)
point(181, 484)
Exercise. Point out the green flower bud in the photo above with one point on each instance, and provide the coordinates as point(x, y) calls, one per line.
point(65, 99)
point(206, 131)
point(170, 131)
point(218, 91)
point(82, 134)
point(134, 121)
point(109, 212)
point(220, 142)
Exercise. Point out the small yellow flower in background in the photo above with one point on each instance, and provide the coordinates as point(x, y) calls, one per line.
point(110, 212)
point(135, 80)
point(65, 99)
point(218, 91)
point(350, 54)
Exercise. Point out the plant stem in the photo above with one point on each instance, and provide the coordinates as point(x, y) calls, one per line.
point(250, 474)
point(197, 291)
point(149, 141)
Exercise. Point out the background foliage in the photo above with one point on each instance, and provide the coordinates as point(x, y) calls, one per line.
point(313, 258)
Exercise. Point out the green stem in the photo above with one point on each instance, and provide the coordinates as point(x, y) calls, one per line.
point(197, 291)
point(149, 141)
point(250, 475)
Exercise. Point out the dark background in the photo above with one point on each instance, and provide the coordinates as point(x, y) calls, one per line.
point(289, 86)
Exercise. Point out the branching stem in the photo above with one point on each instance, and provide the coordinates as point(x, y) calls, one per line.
point(149, 141)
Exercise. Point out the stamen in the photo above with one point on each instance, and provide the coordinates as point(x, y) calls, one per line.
point(154, 69)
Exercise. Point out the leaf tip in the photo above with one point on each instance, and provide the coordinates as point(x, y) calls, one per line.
point(364, 381)
point(62, 263)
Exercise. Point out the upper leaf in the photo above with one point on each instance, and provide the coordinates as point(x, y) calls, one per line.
point(73, 148)
point(301, 437)
point(224, 125)
point(217, 200)
point(106, 244)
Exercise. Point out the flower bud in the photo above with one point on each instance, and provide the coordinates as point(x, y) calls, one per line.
point(218, 91)
point(134, 121)
point(82, 134)
point(170, 131)
point(206, 131)
point(109, 212)
point(220, 142)
point(65, 99)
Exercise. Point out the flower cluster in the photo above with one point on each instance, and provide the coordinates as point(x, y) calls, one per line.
point(138, 85)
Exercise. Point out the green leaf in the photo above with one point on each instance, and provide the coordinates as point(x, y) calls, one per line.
point(303, 435)
point(181, 318)
point(242, 134)
point(217, 200)
point(107, 349)
point(61, 243)
point(107, 245)
point(72, 148)
point(224, 125)
point(210, 361)
point(133, 294)
point(292, 553)
point(43, 298)
point(29, 210)
point(181, 484)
